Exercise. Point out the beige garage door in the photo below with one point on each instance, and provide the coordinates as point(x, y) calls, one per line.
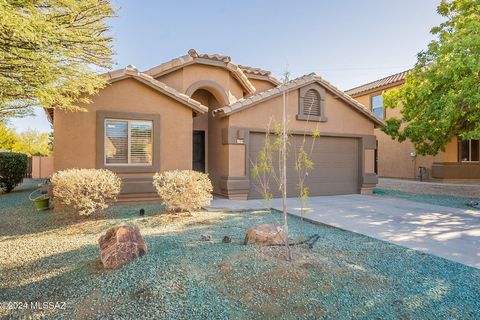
point(336, 166)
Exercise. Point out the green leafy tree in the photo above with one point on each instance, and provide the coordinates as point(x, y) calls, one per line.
point(51, 140)
point(8, 137)
point(51, 52)
point(441, 95)
point(32, 143)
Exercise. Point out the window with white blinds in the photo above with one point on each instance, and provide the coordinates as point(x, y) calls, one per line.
point(128, 142)
point(311, 103)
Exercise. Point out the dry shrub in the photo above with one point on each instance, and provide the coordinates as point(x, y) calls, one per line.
point(183, 190)
point(86, 190)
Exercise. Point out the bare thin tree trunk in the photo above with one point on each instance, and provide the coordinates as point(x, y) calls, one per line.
point(284, 174)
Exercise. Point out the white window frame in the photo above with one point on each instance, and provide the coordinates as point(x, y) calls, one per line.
point(469, 151)
point(129, 142)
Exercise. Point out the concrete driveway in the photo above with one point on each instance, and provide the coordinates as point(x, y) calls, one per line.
point(450, 233)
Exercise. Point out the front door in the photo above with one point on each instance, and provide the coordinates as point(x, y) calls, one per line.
point(198, 163)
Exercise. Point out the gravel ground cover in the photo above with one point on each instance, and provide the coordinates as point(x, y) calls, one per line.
point(52, 256)
point(437, 199)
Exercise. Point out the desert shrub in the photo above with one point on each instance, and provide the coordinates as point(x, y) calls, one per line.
point(85, 190)
point(183, 190)
point(13, 167)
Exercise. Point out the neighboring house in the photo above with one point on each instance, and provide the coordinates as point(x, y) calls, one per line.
point(459, 161)
point(203, 112)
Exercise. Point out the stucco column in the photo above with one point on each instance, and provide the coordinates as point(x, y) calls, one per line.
point(369, 177)
point(236, 184)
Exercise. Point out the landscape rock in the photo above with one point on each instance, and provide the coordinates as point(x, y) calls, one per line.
point(121, 245)
point(205, 237)
point(266, 234)
point(227, 239)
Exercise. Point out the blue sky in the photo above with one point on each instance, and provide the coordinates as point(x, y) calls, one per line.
point(348, 42)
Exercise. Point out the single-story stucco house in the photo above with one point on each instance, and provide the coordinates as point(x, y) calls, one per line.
point(460, 161)
point(203, 112)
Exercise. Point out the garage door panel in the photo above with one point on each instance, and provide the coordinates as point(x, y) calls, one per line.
point(335, 165)
point(338, 173)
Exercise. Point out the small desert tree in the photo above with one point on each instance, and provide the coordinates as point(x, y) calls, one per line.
point(271, 165)
point(303, 165)
point(269, 169)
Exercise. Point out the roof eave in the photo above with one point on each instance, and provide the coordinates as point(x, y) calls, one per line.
point(49, 113)
point(268, 78)
point(379, 88)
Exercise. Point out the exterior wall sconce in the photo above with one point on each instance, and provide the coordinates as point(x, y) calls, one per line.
point(240, 136)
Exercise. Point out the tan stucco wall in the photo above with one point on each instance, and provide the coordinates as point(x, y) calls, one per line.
point(369, 164)
point(218, 152)
point(185, 77)
point(394, 158)
point(261, 85)
point(235, 169)
point(451, 151)
point(75, 132)
point(342, 118)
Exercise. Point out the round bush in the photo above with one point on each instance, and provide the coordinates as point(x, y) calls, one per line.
point(183, 190)
point(85, 190)
point(13, 167)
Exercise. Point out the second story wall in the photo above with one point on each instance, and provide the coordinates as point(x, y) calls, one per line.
point(190, 78)
point(393, 158)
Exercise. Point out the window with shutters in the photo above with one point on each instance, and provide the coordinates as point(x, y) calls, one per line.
point(311, 103)
point(128, 142)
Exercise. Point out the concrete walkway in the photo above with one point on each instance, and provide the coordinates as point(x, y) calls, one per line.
point(450, 233)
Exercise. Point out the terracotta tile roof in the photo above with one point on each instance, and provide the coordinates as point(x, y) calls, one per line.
point(254, 70)
point(195, 57)
point(133, 72)
point(292, 85)
point(261, 73)
point(382, 83)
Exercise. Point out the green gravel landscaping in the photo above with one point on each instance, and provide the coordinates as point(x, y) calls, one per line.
point(53, 257)
point(436, 199)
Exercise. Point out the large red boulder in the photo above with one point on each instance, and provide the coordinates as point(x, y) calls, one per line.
point(121, 245)
point(266, 234)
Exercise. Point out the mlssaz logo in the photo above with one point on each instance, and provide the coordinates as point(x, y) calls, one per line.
point(47, 305)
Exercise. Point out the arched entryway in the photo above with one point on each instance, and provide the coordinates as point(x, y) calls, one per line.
point(208, 150)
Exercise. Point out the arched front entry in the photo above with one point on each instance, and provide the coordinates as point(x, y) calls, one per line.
point(212, 87)
point(209, 154)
